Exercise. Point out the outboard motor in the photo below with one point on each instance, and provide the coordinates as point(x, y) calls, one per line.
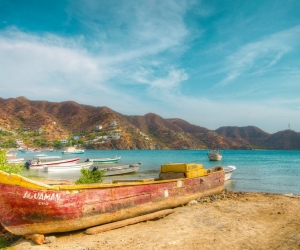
point(94, 168)
point(27, 164)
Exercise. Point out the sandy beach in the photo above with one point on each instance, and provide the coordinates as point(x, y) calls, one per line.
point(230, 220)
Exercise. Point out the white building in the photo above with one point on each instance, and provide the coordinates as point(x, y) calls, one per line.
point(113, 124)
point(116, 136)
point(20, 143)
point(99, 127)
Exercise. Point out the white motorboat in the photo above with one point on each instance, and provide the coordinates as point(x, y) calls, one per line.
point(228, 171)
point(72, 150)
point(15, 161)
point(45, 160)
point(72, 167)
point(117, 170)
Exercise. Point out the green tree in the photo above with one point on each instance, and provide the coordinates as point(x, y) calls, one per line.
point(81, 142)
point(41, 143)
point(57, 144)
point(90, 176)
point(5, 133)
point(7, 167)
point(10, 143)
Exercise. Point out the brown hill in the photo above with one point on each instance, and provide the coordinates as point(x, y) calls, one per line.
point(287, 139)
point(206, 137)
point(63, 120)
point(249, 135)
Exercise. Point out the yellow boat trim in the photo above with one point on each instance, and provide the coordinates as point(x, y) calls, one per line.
point(17, 180)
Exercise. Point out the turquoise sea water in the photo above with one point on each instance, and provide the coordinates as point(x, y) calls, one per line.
point(271, 171)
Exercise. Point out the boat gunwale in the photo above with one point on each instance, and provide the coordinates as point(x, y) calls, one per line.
point(106, 159)
point(21, 181)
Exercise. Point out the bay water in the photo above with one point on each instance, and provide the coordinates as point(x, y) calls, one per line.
point(269, 171)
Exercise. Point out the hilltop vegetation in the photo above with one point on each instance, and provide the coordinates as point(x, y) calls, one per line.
point(45, 124)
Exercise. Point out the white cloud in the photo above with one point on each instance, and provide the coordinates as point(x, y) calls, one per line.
point(212, 114)
point(53, 68)
point(45, 66)
point(258, 57)
point(169, 82)
point(131, 40)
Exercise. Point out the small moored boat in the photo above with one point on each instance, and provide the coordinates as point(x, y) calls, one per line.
point(11, 155)
point(72, 150)
point(12, 158)
point(228, 171)
point(214, 155)
point(29, 150)
point(46, 160)
point(105, 160)
point(15, 161)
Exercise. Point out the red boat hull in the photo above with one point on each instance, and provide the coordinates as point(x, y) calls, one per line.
point(45, 210)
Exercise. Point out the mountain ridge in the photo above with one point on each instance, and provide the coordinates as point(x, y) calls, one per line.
point(62, 120)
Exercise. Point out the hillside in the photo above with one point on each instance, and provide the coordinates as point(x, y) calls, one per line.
point(286, 139)
point(249, 135)
point(64, 120)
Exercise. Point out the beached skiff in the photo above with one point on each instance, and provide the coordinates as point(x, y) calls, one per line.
point(122, 169)
point(28, 207)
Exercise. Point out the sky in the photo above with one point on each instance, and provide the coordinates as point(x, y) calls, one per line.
point(212, 63)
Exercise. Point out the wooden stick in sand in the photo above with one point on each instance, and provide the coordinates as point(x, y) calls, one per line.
point(123, 223)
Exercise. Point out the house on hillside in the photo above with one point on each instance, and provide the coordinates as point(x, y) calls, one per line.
point(112, 124)
point(98, 127)
point(116, 136)
point(20, 143)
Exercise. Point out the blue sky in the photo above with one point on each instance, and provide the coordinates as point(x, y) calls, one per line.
point(211, 63)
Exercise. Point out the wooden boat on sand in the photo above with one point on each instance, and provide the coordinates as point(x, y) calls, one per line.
point(29, 207)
